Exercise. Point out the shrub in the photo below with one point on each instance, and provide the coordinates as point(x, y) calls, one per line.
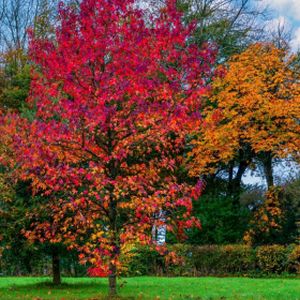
point(220, 260)
point(145, 261)
point(294, 260)
point(237, 259)
point(216, 260)
point(272, 258)
point(184, 264)
point(207, 259)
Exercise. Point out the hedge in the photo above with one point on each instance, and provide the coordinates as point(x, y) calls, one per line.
point(215, 260)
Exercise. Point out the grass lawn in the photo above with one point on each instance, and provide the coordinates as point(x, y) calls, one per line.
point(151, 288)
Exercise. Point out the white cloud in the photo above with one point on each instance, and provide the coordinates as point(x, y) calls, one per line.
point(295, 42)
point(285, 7)
point(288, 17)
point(281, 21)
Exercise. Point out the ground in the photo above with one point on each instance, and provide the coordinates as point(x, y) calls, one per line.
point(140, 288)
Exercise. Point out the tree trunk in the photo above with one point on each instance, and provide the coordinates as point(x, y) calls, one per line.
point(113, 170)
point(268, 169)
point(234, 183)
point(112, 280)
point(56, 266)
point(112, 277)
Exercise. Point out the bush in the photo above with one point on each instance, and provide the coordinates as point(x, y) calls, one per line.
point(221, 260)
point(144, 261)
point(215, 260)
point(272, 259)
point(294, 260)
point(207, 259)
point(237, 259)
point(184, 265)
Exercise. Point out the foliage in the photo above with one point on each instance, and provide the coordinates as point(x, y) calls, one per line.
point(272, 258)
point(20, 255)
point(21, 258)
point(98, 271)
point(14, 79)
point(114, 103)
point(145, 261)
point(273, 214)
point(231, 24)
point(217, 260)
point(17, 251)
point(6, 187)
point(291, 204)
point(221, 222)
point(20, 211)
point(14, 247)
point(294, 260)
point(227, 259)
point(113, 109)
point(266, 225)
point(253, 108)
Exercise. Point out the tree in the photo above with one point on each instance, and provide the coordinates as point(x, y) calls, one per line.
point(290, 203)
point(16, 16)
point(12, 203)
point(20, 212)
point(37, 231)
point(253, 113)
point(15, 19)
point(115, 99)
point(221, 223)
point(14, 80)
point(231, 24)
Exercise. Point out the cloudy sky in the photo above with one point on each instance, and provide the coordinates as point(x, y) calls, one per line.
point(288, 12)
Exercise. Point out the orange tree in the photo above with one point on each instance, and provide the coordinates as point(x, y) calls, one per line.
point(253, 113)
point(115, 99)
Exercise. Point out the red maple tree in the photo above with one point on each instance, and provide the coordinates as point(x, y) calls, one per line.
point(114, 99)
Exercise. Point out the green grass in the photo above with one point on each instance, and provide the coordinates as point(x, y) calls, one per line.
point(151, 288)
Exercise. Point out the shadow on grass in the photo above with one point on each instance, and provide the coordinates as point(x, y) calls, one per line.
point(49, 284)
point(44, 287)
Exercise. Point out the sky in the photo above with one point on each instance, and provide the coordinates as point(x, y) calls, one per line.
point(283, 171)
point(287, 12)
